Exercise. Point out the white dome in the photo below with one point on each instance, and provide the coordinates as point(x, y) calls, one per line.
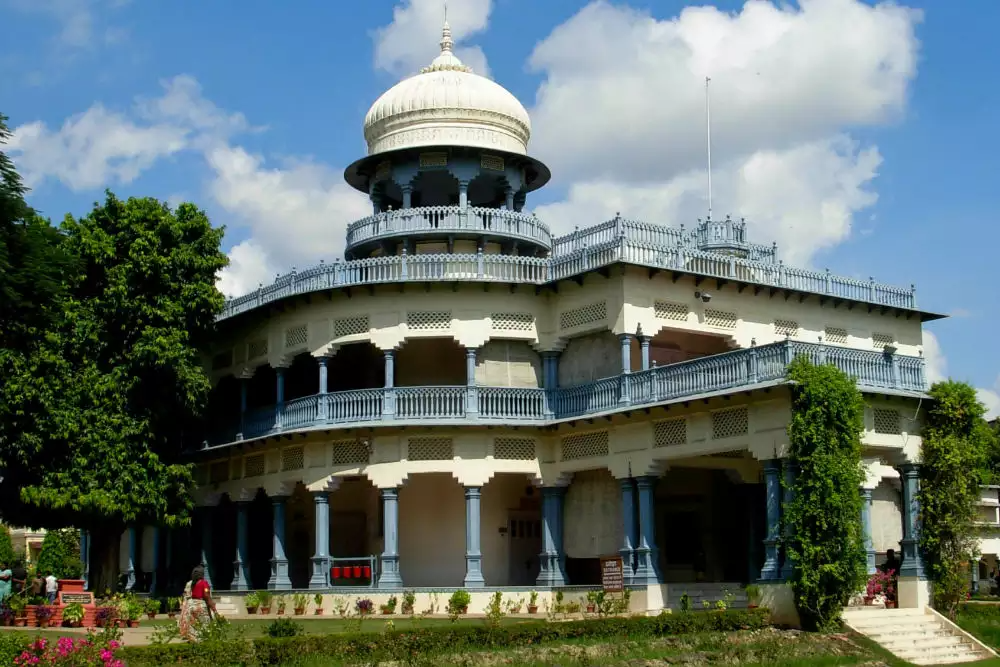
point(447, 105)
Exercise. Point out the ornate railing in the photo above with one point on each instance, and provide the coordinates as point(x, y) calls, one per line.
point(739, 369)
point(445, 219)
point(646, 245)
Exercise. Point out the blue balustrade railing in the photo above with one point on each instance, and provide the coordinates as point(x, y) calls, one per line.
point(746, 368)
point(615, 241)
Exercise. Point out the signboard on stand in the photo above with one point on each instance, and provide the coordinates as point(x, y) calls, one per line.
point(612, 574)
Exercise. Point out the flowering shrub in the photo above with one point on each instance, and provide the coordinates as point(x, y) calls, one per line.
point(881, 583)
point(70, 652)
point(364, 607)
point(44, 612)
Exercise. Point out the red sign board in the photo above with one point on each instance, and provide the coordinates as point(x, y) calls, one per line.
point(612, 574)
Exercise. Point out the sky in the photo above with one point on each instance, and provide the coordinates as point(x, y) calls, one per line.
point(860, 136)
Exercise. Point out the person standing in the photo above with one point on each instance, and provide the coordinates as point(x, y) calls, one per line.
point(197, 605)
point(18, 578)
point(6, 576)
point(51, 587)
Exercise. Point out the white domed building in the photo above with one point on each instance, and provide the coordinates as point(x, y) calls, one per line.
point(465, 401)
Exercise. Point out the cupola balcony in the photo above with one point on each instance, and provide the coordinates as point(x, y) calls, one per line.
point(747, 369)
point(387, 232)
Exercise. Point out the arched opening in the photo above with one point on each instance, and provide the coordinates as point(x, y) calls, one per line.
point(356, 366)
point(301, 377)
point(260, 538)
point(434, 188)
point(355, 525)
point(670, 346)
point(388, 194)
point(592, 525)
point(223, 413)
point(422, 362)
point(223, 544)
point(488, 191)
point(300, 522)
point(262, 388)
point(511, 533)
point(432, 531)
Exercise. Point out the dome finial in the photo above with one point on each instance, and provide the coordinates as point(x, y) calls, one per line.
point(446, 41)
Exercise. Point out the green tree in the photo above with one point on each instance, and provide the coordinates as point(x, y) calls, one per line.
point(60, 554)
point(7, 556)
point(827, 545)
point(957, 443)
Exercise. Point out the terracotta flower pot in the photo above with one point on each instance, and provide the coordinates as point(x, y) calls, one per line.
point(281, 611)
point(265, 610)
point(532, 608)
point(299, 611)
point(250, 610)
point(319, 611)
point(43, 622)
point(591, 608)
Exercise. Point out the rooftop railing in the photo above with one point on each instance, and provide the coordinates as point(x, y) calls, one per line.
point(736, 370)
point(494, 222)
point(612, 242)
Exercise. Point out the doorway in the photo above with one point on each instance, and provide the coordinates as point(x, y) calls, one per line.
point(524, 531)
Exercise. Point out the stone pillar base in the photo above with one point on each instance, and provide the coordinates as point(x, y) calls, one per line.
point(913, 593)
point(241, 580)
point(279, 580)
point(390, 573)
point(320, 572)
point(474, 571)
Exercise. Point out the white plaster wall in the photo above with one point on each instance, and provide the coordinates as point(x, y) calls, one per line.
point(508, 363)
point(432, 531)
point(887, 519)
point(590, 357)
point(592, 515)
point(356, 496)
point(501, 495)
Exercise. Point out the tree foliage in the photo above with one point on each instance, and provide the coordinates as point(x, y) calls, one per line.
point(827, 544)
point(60, 554)
point(957, 442)
point(7, 555)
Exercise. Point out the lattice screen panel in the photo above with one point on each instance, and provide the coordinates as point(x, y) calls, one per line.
point(836, 335)
point(731, 454)
point(350, 326)
point(430, 449)
point(514, 449)
point(512, 321)
point(433, 159)
point(293, 458)
point(296, 336)
point(491, 162)
point(350, 452)
point(257, 348)
point(236, 469)
point(880, 340)
point(886, 421)
point(670, 432)
point(786, 328)
point(730, 423)
point(218, 472)
point(428, 320)
point(222, 360)
point(584, 446)
point(664, 310)
point(577, 317)
point(254, 465)
point(720, 319)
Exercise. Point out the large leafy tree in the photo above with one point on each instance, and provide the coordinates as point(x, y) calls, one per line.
point(957, 445)
point(106, 386)
point(827, 544)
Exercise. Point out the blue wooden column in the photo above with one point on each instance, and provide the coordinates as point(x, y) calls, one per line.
point(647, 554)
point(866, 529)
point(975, 576)
point(321, 557)
point(279, 403)
point(389, 397)
point(625, 396)
point(550, 379)
point(472, 392)
point(279, 580)
point(390, 528)
point(241, 566)
point(629, 528)
point(473, 528)
point(154, 584)
point(323, 415)
point(772, 486)
point(913, 564)
point(552, 568)
point(243, 408)
point(644, 349)
point(206, 542)
point(790, 471)
point(133, 556)
point(85, 557)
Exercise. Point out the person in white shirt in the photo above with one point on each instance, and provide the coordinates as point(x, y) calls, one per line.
point(51, 587)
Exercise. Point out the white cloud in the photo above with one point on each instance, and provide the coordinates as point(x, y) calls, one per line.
point(937, 370)
point(621, 112)
point(411, 40)
point(249, 267)
point(80, 21)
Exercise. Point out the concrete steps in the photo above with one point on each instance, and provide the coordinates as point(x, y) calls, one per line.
point(920, 636)
point(225, 606)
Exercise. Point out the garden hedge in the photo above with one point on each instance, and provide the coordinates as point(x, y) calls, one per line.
point(405, 644)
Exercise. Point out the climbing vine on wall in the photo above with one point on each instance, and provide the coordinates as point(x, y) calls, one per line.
point(956, 443)
point(826, 543)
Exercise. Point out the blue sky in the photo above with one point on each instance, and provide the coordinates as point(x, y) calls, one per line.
point(862, 137)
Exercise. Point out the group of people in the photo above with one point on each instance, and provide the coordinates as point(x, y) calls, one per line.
point(16, 581)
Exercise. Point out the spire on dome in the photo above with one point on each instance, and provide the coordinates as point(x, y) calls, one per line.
point(446, 42)
point(447, 60)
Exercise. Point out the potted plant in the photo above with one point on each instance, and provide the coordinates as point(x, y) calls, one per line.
point(364, 607)
point(152, 607)
point(389, 607)
point(265, 601)
point(131, 611)
point(252, 601)
point(409, 600)
point(533, 602)
point(299, 602)
point(592, 598)
point(281, 603)
point(105, 616)
point(174, 606)
point(43, 614)
point(17, 603)
point(73, 614)
point(318, 599)
point(753, 595)
point(459, 601)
